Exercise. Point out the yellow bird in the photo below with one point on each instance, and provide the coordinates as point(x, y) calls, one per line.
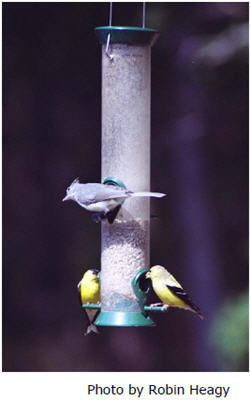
point(170, 291)
point(89, 290)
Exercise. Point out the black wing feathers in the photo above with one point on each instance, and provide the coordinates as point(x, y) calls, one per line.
point(111, 215)
point(179, 292)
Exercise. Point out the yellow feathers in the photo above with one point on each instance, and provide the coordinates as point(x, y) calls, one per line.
point(89, 290)
point(166, 287)
point(169, 290)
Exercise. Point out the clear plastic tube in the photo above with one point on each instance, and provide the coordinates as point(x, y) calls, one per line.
point(126, 156)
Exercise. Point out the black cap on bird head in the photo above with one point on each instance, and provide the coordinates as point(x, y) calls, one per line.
point(95, 271)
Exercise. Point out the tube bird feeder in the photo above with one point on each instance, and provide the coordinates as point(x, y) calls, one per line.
point(126, 87)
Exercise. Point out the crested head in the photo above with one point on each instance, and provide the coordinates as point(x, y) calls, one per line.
point(74, 182)
point(72, 185)
point(70, 191)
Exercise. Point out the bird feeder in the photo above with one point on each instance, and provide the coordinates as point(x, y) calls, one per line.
point(126, 64)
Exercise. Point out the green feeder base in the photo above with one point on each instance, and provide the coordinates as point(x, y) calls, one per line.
point(118, 318)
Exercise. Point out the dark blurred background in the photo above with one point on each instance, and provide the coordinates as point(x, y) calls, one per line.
point(199, 156)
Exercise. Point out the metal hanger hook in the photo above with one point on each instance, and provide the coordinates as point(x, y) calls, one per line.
point(108, 45)
point(107, 48)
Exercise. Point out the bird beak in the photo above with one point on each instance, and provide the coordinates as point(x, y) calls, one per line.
point(148, 275)
point(67, 197)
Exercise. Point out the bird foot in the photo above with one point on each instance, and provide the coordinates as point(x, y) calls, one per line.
point(155, 305)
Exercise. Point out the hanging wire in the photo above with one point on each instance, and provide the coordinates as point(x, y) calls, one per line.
point(107, 48)
point(143, 14)
point(110, 13)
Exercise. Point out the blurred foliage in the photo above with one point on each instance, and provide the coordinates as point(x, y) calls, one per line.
point(230, 333)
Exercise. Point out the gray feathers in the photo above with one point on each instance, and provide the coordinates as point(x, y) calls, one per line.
point(89, 193)
point(102, 198)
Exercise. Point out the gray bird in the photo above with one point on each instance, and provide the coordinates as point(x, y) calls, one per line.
point(102, 199)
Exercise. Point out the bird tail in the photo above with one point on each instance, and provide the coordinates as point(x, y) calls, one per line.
point(146, 194)
point(197, 311)
point(200, 315)
point(91, 328)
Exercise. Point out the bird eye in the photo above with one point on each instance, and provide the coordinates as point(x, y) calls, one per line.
point(68, 189)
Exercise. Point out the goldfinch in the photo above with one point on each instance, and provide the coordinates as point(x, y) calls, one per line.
point(89, 291)
point(170, 291)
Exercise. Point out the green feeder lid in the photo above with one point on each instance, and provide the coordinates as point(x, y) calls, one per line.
point(127, 34)
point(118, 318)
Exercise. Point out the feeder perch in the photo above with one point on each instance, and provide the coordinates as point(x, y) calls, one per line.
point(139, 284)
point(126, 59)
point(140, 288)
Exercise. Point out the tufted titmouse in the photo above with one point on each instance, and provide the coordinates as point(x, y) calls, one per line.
point(102, 199)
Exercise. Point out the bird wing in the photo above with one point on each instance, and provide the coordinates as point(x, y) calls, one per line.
point(171, 279)
point(181, 294)
point(113, 192)
point(79, 293)
point(111, 215)
point(97, 192)
point(90, 315)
